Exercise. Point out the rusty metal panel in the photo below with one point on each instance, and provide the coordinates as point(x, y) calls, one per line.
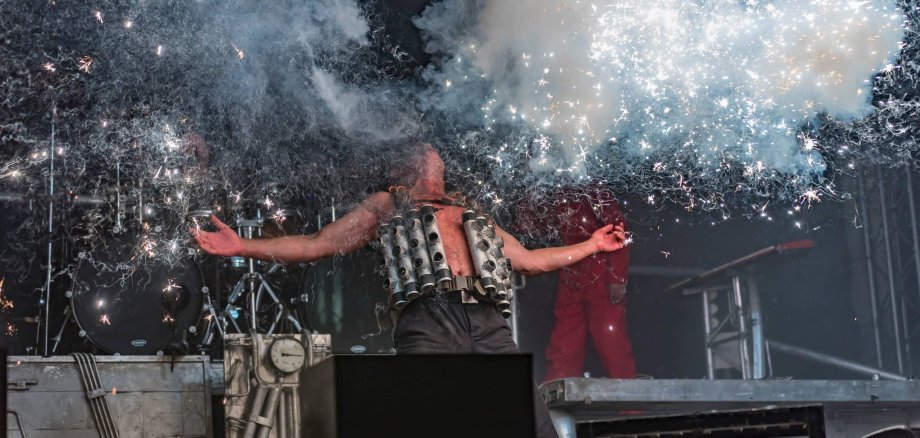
point(150, 396)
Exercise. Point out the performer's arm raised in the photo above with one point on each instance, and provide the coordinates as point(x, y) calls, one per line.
point(347, 234)
point(538, 261)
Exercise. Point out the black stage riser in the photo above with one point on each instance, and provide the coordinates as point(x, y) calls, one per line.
point(418, 396)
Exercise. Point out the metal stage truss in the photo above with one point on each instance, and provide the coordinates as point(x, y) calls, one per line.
point(887, 202)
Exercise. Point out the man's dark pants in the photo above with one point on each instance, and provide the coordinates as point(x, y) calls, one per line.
point(438, 325)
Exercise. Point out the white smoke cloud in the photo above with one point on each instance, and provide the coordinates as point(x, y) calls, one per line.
point(365, 113)
point(730, 82)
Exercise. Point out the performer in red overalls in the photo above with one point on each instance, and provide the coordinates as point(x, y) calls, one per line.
point(592, 293)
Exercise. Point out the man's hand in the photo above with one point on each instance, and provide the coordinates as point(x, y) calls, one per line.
point(223, 242)
point(609, 238)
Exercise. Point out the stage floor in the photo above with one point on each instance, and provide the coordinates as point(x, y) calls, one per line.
point(154, 396)
point(850, 408)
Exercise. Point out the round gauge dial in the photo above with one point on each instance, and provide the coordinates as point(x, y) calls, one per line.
point(287, 355)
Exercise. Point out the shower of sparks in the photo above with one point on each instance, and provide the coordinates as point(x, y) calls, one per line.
point(630, 238)
point(809, 196)
point(703, 103)
point(168, 319)
point(5, 303)
point(688, 90)
point(104, 319)
point(11, 329)
point(278, 216)
point(148, 246)
point(170, 286)
point(239, 53)
point(84, 64)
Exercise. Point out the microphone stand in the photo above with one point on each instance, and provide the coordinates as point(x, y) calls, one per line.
point(48, 277)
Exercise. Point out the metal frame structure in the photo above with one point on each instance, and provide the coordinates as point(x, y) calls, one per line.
point(742, 322)
point(891, 246)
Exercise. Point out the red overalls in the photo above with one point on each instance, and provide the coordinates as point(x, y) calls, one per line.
point(583, 303)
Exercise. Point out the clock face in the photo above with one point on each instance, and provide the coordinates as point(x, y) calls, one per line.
point(287, 355)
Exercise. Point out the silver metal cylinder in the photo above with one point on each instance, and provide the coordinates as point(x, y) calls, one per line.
point(282, 420)
point(403, 257)
point(255, 408)
point(497, 257)
point(419, 251)
point(295, 410)
point(439, 266)
point(502, 274)
point(479, 250)
point(392, 283)
point(504, 306)
point(269, 409)
point(509, 283)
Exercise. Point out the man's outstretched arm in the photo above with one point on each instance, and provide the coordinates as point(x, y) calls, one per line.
point(538, 261)
point(349, 233)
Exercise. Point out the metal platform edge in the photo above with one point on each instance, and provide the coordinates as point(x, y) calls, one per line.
point(622, 393)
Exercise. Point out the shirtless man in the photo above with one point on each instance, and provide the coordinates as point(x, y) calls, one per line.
point(446, 324)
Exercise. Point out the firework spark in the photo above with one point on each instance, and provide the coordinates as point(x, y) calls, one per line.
point(84, 64)
point(239, 53)
point(681, 87)
point(170, 286)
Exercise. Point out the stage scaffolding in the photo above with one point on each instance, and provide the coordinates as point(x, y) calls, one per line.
point(888, 276)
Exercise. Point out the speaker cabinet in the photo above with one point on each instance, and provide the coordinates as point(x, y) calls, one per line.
point(418, 396)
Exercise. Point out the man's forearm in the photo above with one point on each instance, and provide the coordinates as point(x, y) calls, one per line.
point(288, 249)
point(296, 249)
point(543, 260)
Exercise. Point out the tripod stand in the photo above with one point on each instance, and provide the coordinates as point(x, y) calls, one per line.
point(247, 296)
